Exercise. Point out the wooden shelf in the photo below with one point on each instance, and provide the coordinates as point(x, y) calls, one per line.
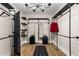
point(23, 35)
point(23, 23)
point(24, 29)
point(24, 18)
point(23, 32)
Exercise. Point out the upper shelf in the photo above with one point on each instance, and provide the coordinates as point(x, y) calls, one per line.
point(24, 29)
point(23, 23)
point(23, 35)
point(24, 18)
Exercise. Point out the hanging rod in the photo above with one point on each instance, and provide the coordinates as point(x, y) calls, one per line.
point(6, 37)
point(39, 22)
point(24, 18)
point(64, 9)
point(6, 11)
point(77, 37)
point(38, 19)
point(62, 14)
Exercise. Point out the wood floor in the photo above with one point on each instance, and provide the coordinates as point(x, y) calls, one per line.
point(28, 50)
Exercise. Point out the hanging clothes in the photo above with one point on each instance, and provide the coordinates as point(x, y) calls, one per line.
point(54, 27)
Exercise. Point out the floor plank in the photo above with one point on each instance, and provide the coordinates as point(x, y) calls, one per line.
point(28, 50)
point(52, 50)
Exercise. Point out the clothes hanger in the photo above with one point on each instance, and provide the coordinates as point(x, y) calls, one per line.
point(4, 13)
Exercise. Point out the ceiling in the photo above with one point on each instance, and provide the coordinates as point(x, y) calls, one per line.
point(53, 9)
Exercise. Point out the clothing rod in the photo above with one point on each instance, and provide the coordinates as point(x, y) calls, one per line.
point(62, 35)
point(6, 11)
point(77, 37)
point(38, 19)
point(6, 37)
point(62, 15)
point(67, 6)
point(39, 22)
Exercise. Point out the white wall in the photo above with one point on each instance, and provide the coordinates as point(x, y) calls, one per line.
point(75, 29)
point(64, 30)
point(5, 30)
point(38, 15)
point(33, 29)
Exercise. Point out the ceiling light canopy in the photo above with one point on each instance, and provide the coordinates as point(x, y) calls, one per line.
point(26, 4)
point(36, 6)
point(49, 4)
